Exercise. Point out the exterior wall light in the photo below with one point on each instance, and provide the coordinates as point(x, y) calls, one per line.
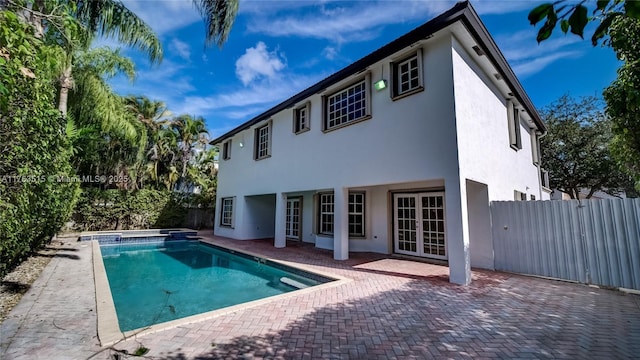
point(241, 144)
point(380, 84)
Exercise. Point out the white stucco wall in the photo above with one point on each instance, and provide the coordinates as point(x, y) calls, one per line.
point(483, 135)
point(408, 140)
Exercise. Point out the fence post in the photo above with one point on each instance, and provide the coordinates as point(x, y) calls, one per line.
point(583, 241)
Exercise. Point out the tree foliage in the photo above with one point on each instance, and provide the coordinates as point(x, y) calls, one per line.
point(35, 151)
point(576, 148)
point(623, 97)
point(574, 16)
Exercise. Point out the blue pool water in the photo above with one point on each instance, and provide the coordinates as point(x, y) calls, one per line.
point(162, 281)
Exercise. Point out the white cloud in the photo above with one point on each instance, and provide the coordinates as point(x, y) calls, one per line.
point(340, 23)
point(164, 16)
point(181, 48)
point(330, 52)
point(526, 58)
point(257, 63)
point(537, 64)
point(247, 101)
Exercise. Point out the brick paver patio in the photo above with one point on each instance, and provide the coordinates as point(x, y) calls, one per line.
point(393, 308)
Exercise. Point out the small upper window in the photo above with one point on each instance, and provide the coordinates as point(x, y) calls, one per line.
point(535, 147)
point(226, 150)
point(263, 142)
point(348, 105)
point(407, 75)
point(301, 118)
point(519, 196)
point(514, 125)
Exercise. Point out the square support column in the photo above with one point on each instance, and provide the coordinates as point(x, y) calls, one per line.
point(341, 223)
point(280, 235)
point(457, 232)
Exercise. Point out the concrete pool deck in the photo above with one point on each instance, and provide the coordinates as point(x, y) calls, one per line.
point(392, 308)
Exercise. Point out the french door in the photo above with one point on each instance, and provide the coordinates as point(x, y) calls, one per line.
point(293, 218)
point(419, 225)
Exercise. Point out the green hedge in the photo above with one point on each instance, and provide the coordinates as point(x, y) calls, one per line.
point(119, 209)
point(34, 150)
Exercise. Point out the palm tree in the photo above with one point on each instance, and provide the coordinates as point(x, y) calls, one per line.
point(107, 18)
point(192, 134)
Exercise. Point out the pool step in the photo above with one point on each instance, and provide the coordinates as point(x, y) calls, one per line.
point(293, 283)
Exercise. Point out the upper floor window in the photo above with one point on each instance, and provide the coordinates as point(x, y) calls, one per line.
point(226, 214)
point(263, 141)
point(535, 147)
point(347, 105)
point(301, 118)
point(514, 125)
point(544, 178)
point(519, 196)
point(407, 75)
point(226, 150)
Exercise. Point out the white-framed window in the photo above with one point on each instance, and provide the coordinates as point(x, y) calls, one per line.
point(226, 150)
point(301, 121)
point(226, 213)
point(544, 178)
point(263, 141)
point(356, 209)
point(519, 196)
point(535, 147)
point(325, 213)
point(513, 115)
point(348, 105)
point(356, 214)
point(407, 75)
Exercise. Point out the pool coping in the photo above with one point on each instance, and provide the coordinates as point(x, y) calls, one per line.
point(109, 332)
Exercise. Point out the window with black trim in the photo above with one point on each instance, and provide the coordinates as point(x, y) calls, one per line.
point(407, 75)
point(513, 115)
point(262, 142)
point(226, 150)
point(347, 106)
point(226, 213)
point(301, 120)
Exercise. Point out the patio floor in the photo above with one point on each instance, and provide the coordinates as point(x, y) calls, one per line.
point(393, 308)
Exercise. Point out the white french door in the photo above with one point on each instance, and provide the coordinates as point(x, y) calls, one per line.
point(293, 218)
point(419, 224)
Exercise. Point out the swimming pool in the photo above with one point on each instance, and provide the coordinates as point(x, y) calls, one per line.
point(161, 281)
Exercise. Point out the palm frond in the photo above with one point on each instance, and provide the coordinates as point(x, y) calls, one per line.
point(218, 16)
point(111, 18)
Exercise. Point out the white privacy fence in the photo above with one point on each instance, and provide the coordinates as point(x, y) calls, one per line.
point(591, 241)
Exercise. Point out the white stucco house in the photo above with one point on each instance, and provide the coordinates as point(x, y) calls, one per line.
point(400, 152)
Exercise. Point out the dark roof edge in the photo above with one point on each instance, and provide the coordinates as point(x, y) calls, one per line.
point(461, 10)
point(479, 31)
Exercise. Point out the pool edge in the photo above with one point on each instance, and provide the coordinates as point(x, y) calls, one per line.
point(109, 331)
point(108, 326)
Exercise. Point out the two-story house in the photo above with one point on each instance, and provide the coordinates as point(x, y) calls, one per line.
point(400, 152)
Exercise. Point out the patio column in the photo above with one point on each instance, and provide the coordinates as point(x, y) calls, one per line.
point(341, 223)
point(457, 228)
point(280, 236)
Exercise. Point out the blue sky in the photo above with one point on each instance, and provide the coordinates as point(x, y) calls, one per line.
point(277, 48)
